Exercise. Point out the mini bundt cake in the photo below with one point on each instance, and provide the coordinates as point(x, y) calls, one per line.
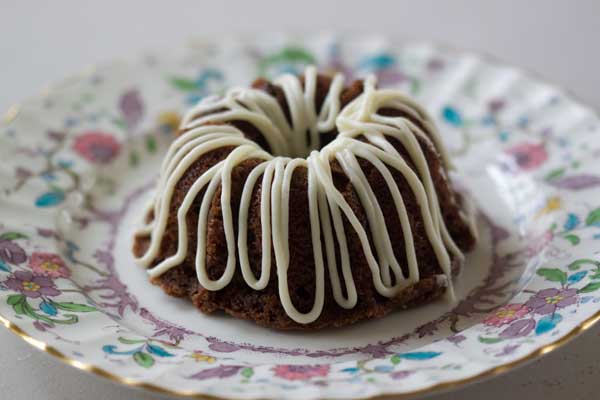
point(303, 203)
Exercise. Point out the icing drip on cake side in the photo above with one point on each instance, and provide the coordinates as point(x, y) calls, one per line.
point(327, 206)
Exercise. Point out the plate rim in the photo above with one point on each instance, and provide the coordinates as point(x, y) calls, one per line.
point(435, 388)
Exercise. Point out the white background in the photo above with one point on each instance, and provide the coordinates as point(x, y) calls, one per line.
point(45, 41)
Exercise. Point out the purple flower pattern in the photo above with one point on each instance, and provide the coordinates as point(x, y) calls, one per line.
point(220, 372)
point(11, 252)
point(547, 301)
point(522, 327)
point(32, 286)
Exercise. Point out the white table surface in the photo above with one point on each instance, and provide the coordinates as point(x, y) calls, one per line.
point(41, 42)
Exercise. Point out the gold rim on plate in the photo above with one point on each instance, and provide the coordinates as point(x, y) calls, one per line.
point(588, 323)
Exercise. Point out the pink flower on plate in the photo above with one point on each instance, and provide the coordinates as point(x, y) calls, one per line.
point(300, 372)
point(97, 147)
point(528, 156)
point(48, 264)
point(31, 285)
point(507, 314)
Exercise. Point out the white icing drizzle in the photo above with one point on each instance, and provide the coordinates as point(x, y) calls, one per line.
point(326, 204)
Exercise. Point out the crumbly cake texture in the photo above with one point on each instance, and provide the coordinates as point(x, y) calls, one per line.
point(264, 306)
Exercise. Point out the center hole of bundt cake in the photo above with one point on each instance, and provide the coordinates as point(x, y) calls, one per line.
point(252, 133)
point(323, 84)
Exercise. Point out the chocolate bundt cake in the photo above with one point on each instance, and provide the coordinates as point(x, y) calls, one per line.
point(304, 203)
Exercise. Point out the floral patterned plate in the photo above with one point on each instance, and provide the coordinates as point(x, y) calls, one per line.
point(80, 160)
